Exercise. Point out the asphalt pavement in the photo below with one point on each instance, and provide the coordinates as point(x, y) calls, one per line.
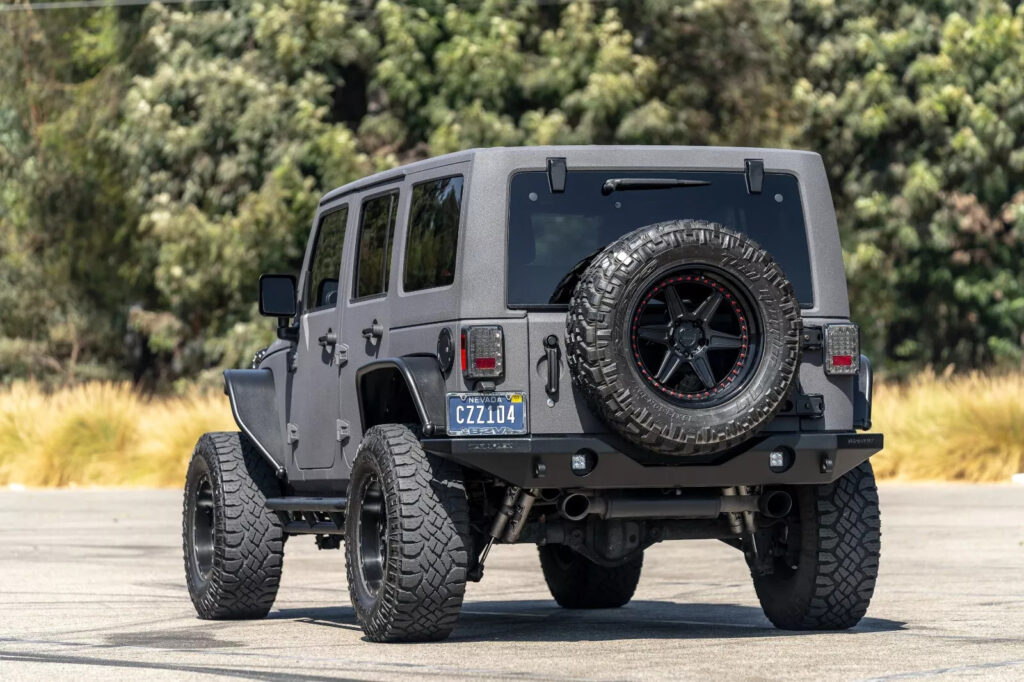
point(91, 587)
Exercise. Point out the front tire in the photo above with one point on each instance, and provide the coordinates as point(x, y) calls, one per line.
point(576, 582)
point(234, 546)
point(825, 576)
point(406, 539)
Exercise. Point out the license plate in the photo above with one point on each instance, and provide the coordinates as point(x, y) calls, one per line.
point(486, 414)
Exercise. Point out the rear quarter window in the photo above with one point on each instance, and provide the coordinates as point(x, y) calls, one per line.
point(433, 235)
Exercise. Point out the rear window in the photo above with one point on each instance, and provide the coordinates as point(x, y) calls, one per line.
point(550, 233)
point(376, 227)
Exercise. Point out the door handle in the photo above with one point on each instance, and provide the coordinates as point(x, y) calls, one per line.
point(374, 331)
point(328, 339)
point(551, 350)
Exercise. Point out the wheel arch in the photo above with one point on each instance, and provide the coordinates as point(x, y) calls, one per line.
point(253, 405)
point(402, 390)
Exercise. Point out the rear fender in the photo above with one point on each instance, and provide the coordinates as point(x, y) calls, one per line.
point(407, 389)
point(252, 397)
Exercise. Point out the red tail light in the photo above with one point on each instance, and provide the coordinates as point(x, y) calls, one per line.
point(483, 352)
point(462, 345)
point(842, 348)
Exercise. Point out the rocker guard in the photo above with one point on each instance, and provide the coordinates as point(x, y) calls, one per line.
point(543, 461)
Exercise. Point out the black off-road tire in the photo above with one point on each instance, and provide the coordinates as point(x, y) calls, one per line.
point(840, 542)
point(601, 360)
point(239, 575)
point(426, 515)
point(576, 582)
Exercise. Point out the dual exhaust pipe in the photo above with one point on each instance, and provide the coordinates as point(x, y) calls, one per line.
point(772, 504)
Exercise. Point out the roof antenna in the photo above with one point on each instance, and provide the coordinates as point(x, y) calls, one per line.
point(755, 175)
point(556, 174)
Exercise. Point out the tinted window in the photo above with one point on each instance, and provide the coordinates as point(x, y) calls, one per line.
point(376, 226)
point(323, 276)
point(550, 233)
point(433, 234)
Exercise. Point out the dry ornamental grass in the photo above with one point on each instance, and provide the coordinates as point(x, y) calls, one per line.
point(968, 428)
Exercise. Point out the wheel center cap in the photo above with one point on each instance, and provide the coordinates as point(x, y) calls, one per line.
point(688, 336)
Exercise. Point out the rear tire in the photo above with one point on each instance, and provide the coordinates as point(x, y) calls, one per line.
point(406, 539)
point(576, 582)
point(234, 546)
point(838, 533)
point(604, 337)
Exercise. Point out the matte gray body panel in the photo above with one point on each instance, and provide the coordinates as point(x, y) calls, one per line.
point(413, 320)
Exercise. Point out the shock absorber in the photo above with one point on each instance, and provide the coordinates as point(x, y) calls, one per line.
point(508, 523)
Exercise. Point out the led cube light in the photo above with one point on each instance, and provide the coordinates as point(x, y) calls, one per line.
point(842, 349)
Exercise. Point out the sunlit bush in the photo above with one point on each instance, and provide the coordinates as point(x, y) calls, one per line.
point(964, 429)
point(102, 434)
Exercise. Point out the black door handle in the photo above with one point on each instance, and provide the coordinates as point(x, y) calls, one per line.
point(374, 331)
point(328, 339)
point(551, 350)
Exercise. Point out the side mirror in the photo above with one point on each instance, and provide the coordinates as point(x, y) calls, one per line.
point(277, 296)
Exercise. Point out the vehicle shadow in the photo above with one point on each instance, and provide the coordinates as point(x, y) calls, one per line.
point(544, 621)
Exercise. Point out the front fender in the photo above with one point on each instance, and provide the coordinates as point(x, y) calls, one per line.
point(251, 393)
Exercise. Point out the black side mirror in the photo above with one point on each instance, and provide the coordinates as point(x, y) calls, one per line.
point(277, 296)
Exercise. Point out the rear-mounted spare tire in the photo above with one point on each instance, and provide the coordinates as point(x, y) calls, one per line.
point(684, 336)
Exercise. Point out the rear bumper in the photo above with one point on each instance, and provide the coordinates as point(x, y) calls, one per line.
point(544, 461)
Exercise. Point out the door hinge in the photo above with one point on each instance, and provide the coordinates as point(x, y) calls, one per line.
point(293, 433)
point(341, 355)
point(343, 431)
point(810, 338)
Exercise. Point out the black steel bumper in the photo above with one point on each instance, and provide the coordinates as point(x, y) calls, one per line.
point(544, 461)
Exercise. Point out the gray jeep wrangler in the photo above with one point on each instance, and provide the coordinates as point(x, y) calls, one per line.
point(591, 349)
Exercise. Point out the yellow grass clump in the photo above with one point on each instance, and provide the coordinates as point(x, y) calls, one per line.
point(966, 428)
point(102, 434)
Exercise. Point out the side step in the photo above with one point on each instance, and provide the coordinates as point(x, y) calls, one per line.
point(310, 515)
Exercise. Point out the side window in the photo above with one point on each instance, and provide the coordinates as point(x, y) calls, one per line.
point(323, 275)
point(433, 234)
point(376, 229)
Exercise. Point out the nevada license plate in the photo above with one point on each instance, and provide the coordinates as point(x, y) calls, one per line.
point(486, 414)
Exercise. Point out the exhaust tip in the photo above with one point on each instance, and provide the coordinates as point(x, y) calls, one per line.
point(575, 507)
point(776, 503)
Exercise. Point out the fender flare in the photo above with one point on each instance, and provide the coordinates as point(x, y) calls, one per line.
point(423, 379)
point(252, 397)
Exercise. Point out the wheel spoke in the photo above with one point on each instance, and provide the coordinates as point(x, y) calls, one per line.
point(710, 305)
point(669, 366)
point(676, 307)
point(702, 368)
point(721, 340)
point(655, 333)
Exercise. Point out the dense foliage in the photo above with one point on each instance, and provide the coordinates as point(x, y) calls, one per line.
point(154, 160)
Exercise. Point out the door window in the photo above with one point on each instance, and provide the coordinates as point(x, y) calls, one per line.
point(376, 230)
point(323, 274)
point(433, 234)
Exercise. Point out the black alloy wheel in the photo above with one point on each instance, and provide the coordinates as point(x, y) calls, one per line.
point(694, 338)
point(372, 540)
point(203, 528)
